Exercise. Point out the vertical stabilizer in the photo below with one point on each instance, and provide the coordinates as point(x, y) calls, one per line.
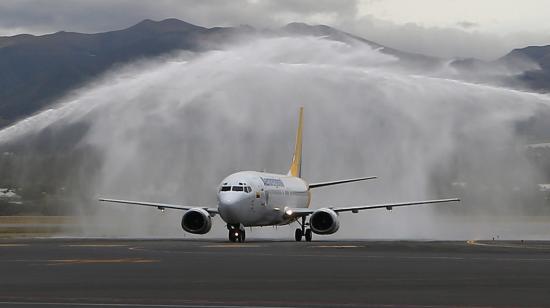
point(296, 166)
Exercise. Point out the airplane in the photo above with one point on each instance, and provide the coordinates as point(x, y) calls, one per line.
point(254, 199)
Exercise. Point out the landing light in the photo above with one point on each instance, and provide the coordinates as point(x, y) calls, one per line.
point(289, 212)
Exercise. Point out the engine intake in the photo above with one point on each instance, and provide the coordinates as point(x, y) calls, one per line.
point(197, 221)
point(324, 221)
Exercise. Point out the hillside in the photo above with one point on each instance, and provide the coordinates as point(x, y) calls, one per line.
point(36, 70)
point(538, 79)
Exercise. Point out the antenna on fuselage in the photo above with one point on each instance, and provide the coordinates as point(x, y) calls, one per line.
point(296, 165)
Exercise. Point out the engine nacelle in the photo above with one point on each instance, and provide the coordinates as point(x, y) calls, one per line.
point(197, 221)
point(324, 221)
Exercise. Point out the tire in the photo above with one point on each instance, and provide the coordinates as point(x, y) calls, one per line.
point(232, 237)
point(308, 235)
point(298, 235)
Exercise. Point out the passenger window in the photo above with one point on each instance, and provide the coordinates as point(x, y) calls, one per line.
point(225, 188)
point(237, 188)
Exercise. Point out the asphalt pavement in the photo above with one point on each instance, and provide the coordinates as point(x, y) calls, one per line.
point(189, 273)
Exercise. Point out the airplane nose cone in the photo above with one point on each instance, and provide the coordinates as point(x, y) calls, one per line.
point(228, 199)
point(229, 207)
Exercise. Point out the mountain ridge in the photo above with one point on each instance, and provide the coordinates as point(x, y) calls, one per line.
point(37, 70)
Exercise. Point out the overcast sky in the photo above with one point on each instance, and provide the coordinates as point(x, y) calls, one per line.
point(464, 28)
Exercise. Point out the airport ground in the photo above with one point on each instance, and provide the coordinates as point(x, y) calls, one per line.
point(191, 273)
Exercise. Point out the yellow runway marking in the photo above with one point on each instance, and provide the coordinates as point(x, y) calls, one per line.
point(13, 245)
point(476, 243)
point(100, 261)
point(95, 245)
point(336, 246)
point(230, 246)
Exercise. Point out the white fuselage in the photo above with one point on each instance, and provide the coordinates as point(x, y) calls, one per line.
point(255, 198)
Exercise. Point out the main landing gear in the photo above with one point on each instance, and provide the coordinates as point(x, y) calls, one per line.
point(303, 231)
point(236, 233)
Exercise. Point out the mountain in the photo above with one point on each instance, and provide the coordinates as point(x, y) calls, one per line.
point(406, 58)
point(37, 70)
point(538, 78)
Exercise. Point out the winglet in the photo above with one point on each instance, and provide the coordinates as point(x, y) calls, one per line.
point(296, 166)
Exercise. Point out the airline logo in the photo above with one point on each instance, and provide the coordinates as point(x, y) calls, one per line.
point(272, 182)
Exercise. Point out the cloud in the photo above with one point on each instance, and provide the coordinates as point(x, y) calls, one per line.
point(467, 24)
point(35, 16)
point(442, 42)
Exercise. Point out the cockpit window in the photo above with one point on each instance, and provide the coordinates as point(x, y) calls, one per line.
point(225, 188)
point(247, 189)
point(237, 188)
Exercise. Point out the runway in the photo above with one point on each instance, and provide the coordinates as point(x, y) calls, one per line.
point(214, 273)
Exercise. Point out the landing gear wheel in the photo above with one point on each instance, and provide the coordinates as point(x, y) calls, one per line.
point(236, 233)
point(233, 236)
point(308, 235)
point(298, 235)
point(242, 236)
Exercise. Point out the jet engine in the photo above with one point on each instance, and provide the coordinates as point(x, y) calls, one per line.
point(324, 221)
point(196, 221)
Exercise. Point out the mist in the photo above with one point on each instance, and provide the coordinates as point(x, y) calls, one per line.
point(169, 130)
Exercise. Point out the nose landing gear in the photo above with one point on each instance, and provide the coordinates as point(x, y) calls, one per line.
point(303, 232)
point(236, 233)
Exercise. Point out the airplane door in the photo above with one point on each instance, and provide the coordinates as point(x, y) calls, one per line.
point(261, 198)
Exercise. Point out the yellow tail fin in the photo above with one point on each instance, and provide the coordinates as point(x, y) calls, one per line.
point(296, 166)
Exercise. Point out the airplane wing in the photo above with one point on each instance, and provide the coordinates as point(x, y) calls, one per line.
point(160, 206)
point(390, 206)
point(321, 184)
point(299, 212)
